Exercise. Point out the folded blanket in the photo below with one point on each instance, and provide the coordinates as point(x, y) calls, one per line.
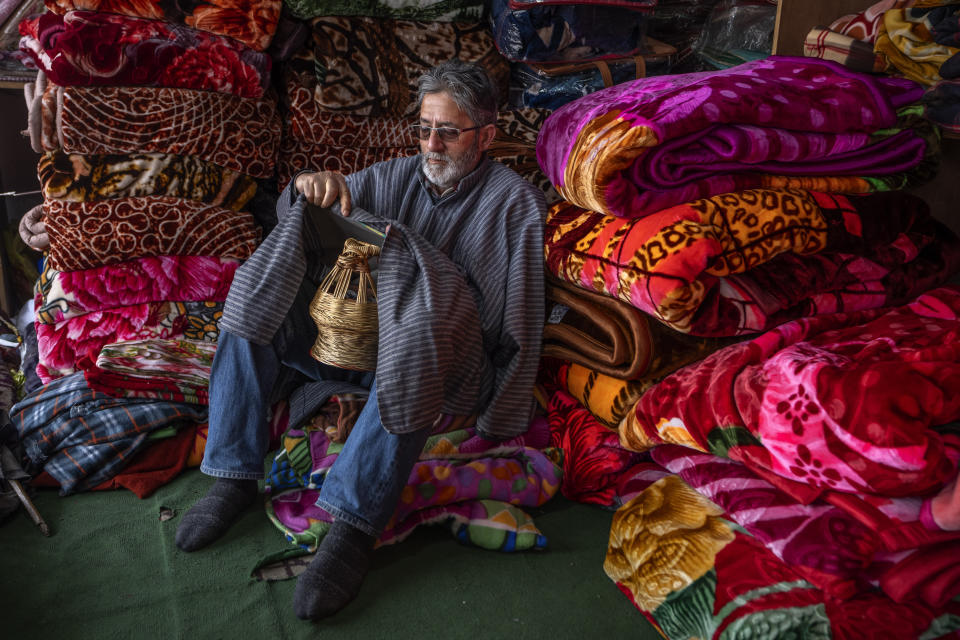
point(612, 338)
point(426, 10)
point(473, 485)
point(60, 295)
point(610, 398)
point(252, 22)
point(596, 331)
point(142, 52)
point(850, 52)
point(61, 346)
point(173, 370)
point(639, 147)
point(694, 574)
point(87, 235)
point(744, 262)
point(566, 31)
point(158, 463)
point(367, 66)
point(296, 155)
point(308, 121)
point(834, 403)
point(241, 134)
point(75, 177)
point(82, 437)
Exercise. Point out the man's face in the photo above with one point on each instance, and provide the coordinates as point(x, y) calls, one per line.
point(446, 162)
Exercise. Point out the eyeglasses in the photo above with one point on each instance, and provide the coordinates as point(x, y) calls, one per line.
point(447, 134)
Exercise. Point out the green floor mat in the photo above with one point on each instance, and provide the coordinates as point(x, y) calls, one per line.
point(111, 570)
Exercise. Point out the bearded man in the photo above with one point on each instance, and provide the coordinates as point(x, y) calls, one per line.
point(461, 279)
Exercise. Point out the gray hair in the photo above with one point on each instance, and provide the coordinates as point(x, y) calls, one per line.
point(468, 85)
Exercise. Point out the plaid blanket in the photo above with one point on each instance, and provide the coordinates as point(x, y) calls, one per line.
point(83, 437)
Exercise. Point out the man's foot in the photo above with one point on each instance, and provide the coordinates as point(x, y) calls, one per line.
point(334, 576)
point(214, 513)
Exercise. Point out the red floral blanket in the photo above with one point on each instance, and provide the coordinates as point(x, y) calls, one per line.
point(252, 22)
point(60, 295)
point(92, 48)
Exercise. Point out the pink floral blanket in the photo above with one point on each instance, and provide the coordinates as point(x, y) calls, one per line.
point(60, 295)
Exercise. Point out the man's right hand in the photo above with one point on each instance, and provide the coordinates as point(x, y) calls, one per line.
point(322, 188)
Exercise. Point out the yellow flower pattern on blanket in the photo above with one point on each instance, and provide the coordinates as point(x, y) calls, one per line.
point(663, 540)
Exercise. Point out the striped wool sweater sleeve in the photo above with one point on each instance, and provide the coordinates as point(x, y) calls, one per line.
point(265, 286)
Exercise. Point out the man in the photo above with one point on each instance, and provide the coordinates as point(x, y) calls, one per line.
point(461, 285)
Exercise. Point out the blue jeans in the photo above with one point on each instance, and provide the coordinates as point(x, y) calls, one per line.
point(363, 486)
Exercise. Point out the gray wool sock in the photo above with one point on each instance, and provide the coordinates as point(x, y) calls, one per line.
point(334, 576)
point(214, 513)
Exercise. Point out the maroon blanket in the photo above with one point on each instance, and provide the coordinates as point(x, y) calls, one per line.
point(241, 134)
point(84, 235)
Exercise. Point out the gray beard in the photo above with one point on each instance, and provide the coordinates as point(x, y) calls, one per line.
point(452, 170)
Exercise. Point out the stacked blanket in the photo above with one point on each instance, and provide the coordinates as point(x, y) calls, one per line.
point(350, 91)
point(790, 464)
point(155, 124)
point(834, 469)
point(657, 170)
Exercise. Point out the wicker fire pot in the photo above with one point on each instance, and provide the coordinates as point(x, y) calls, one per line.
point(345, 311)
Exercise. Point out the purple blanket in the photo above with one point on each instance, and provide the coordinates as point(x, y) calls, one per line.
point(641, 146)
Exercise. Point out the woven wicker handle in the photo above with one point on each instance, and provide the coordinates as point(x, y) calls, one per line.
point(353, 259)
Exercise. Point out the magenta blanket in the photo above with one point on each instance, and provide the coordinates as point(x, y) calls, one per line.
point(641, 146)
point(60, 295)
point(841, 403)
point(93, 48)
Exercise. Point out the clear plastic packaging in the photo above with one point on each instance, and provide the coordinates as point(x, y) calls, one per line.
point(566, 32)
point(737, 31)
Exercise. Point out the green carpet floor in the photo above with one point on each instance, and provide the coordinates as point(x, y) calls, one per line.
point(111, 570)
